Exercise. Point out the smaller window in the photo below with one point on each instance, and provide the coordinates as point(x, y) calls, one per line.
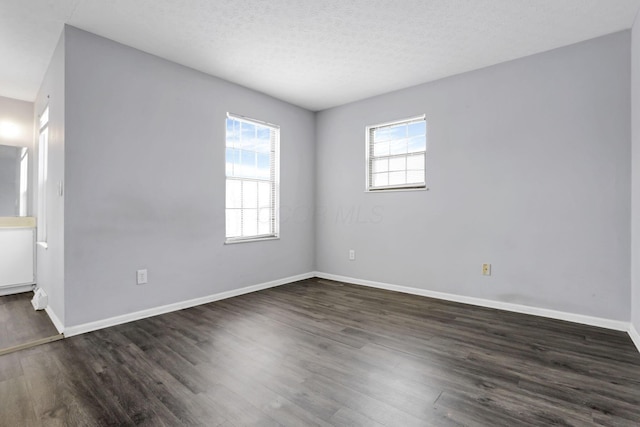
point(397, 155)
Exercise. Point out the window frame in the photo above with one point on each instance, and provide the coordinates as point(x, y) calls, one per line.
point(275, 209)
point(43, 176)
point(369, 187)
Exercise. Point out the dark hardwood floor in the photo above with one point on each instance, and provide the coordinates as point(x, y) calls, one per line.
point(325, 353)
point(20, 323)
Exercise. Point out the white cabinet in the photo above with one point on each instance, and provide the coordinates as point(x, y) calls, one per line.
point(16, 257)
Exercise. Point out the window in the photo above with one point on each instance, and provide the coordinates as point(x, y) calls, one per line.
point(396, 155)
point(43, 159)
point(252, 158)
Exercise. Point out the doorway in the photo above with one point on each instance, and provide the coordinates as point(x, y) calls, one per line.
point(21, 326)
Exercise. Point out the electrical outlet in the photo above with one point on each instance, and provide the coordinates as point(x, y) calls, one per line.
point(486, 269)
point(141, 277)
point(352, 255)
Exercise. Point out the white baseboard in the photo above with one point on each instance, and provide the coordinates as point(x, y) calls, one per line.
point(617, 325)
point(55, 319)
point(17, 289)
point(117, 320)
point(635, 336)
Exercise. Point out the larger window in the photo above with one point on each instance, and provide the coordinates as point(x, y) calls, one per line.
point(396, 155)
point(252, 156)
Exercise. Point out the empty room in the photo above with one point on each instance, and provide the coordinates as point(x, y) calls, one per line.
point(319, 213)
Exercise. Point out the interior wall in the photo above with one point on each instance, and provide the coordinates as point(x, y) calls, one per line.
point(50, 261)
point(528, 169)
point(635, 184)
point(145, 157)
point(19, 115)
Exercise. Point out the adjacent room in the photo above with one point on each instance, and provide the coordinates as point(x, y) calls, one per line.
point(336, 213)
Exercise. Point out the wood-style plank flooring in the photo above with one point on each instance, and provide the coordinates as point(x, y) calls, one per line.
point(325, 353)
point(20, 323)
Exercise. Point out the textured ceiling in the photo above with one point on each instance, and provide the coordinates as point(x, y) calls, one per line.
point(313, 53)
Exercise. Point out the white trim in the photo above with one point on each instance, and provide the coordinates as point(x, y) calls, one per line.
point(54, 319)
point(617, 325)
point(130, 317)
point(396, 189)
point(236, 240)
point(16, 289)
point(635, 336)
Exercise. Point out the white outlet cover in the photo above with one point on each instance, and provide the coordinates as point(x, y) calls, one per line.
point(141, 277)
point(488, 272)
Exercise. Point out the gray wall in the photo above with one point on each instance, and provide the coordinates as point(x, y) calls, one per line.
point(50, 261)
point(19, 113)
point(635, 183)
point(528, 169)
point(146, 181)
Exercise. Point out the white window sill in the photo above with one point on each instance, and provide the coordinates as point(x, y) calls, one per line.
point(257, 239)
point(389, 190)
